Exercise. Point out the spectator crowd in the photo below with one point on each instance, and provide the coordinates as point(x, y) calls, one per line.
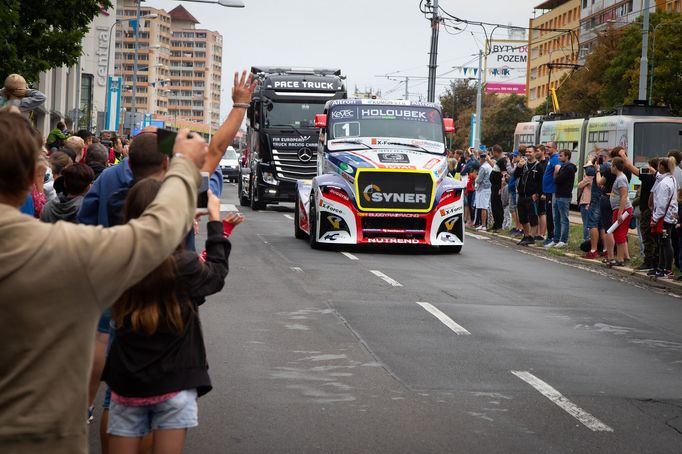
point(132, 320)
point(529, 193)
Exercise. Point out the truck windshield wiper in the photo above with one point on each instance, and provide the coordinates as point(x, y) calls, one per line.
point(411, 145)
point(292, 127)
point(354, 142)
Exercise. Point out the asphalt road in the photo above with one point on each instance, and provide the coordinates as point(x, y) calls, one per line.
point(496, 350)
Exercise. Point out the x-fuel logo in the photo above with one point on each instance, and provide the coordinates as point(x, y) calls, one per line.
point(369, 190)
point(305, 154)
point(335, 221)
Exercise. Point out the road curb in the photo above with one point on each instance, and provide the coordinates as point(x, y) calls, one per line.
point(630, 272)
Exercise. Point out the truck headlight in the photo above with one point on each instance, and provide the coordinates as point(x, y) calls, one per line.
point(269, 178)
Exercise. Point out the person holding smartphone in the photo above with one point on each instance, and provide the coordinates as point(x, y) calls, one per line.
point(157, 365)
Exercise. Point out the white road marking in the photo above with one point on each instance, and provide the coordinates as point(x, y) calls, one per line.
point(478, 237)
point(381, 275)
point(569, 407)
point(227, 207)
point(447, 321)
point(296, 269)
point(262, 238)
point(288, 216)
point(350, 256)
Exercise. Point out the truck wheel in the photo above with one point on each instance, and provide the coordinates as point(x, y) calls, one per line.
point(298, 233)
point(451, 249)
point(243, 200)
point(256, 206)
point(312, 221)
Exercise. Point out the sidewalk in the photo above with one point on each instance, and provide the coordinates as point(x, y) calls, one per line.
point(625, 270)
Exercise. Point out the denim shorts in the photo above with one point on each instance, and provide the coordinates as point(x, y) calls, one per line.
point(594, 215)
point(179, 412)
point(606, 212)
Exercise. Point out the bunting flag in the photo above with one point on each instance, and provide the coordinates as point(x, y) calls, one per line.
point(490, 71)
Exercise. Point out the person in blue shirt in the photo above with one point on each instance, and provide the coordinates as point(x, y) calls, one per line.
point(549, 188)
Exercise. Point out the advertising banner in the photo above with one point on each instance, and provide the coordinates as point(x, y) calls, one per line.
point(113, 115)
point(505, 66)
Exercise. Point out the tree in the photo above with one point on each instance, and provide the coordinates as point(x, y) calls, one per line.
point(458, 97)
point(667, 61)
point(610, 77)
point(39, 35)
point(499, 122)
point(581, 91)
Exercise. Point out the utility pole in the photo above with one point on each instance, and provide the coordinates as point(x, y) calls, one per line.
point(433, 55)
point(133, 107)
point(479, 101)
point(644, 61)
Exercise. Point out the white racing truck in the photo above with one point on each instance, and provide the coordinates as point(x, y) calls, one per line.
point(382, 178)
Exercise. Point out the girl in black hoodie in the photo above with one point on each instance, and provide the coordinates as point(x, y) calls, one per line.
point(157, 366)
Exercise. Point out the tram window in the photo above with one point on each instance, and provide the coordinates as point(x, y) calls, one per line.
point(656, 139)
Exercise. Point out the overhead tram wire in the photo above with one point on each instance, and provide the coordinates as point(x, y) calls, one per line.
point(450, 17)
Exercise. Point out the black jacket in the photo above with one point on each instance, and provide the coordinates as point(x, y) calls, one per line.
point(564, 179)
point(142, 366)
point(530, 179)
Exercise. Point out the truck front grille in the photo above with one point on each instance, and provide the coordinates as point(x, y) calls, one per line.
point(290, 168)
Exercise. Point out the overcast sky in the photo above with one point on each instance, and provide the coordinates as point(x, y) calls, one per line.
point(363, 38)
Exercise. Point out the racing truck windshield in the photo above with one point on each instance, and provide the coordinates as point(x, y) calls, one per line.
point(300, 115)
point(405, 122)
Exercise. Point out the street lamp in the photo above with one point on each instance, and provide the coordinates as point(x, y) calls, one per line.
point(653, 58)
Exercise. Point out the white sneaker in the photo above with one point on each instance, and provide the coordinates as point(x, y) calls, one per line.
point(550, 244)
point(480, 227)
point(560, 244)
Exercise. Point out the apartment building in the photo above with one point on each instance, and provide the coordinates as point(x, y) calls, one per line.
point(553, 44)
point(195, 70)
point(153, 71)
point(597, 15)
point(179, 66)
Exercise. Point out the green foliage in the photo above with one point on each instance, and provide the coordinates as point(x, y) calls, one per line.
point(39, 35)
point(610, 76)
point(459, 96)
point(500, 121)
point(500, 115)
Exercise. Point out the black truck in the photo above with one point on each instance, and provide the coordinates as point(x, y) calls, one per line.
point(281, 135)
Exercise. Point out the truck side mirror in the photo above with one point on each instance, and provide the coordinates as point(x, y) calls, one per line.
point(320, 121)
point(449, 125)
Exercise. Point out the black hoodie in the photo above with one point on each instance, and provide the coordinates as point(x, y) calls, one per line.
point(530, 178)
point(564, 179)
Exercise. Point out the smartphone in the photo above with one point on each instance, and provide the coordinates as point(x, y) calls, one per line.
point(165, 139)
point(202, 200)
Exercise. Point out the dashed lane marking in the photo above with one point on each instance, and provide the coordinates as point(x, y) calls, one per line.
point(350, 256)
point(296, 269)
point(381, 275)
point(478, 237)
point(288, 216)
point(447, 321)
point(227, 207)
point(562, 402)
